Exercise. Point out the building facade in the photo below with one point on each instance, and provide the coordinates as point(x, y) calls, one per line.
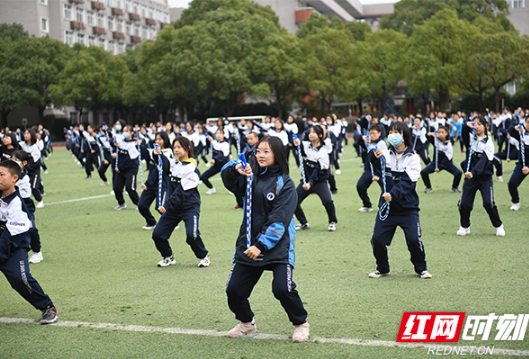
point(114, 25)
point(519, 15)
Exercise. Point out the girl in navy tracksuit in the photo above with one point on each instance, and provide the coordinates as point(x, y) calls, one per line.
point(403, 168)
point(9, 145)
point(520, 171)
point(420, 142)
point(106, 153)
point(182, 205)
point(126, 169)
point(220, 156)
point(316, 164)
point(442, 161)
point(272, 236)
point(478, 176)
point(151, 186)
point(30, 146)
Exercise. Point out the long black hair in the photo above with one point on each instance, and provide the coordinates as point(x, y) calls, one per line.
point(33, 136)
point(403, 129)
point(14, 141)
point(165, 138)
point(280, 155)
point(186, 145)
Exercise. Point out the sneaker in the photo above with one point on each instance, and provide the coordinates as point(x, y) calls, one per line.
point(456, 190)
point(338, 172)
point(119, 207)
point(428, 190)
point(377, 274)
point(43, 193)
point(112, 193)
point(425, 274)
point(147, 227)
point(334, 191)
point(365, 209)
point(46, 171)
point(40, 205)
point(301, 227)
point(499, 179)
point(242, 329)
point(89, 177)
point(515, 206)
point(36, 257)
point(167, 261)
point(301, 333)
point(332, 227)
point(204, 262)
point(500, 231)
point(106, 183)
point(49, 315)
point(211, 191)
point(463, 231)
point(237, 207)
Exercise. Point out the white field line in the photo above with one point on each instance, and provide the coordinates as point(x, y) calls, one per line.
point(80, 199)
point(214, 333)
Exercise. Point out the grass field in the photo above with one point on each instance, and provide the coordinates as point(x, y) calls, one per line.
point(100, 267)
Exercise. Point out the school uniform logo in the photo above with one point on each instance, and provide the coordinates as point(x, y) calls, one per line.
point(270, 196)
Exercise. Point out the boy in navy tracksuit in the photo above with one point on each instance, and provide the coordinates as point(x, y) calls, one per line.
point(403, 168)
point(521, 170)
point(478, 176)
point(106, 154)
point(220, 156)
point(442, 161)
point(126, 169)
point(370, 175)
point(91, 151)
point(14, 243)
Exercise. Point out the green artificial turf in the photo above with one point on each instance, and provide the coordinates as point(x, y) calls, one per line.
point(100, 266)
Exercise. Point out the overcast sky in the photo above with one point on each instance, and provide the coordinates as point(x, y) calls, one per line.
point(185, 3)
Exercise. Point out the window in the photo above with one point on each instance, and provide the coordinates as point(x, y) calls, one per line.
point(109, 3)
point(135, 8)
point(516, 3)
point(43, 2)
point(110, 24)
point(144, 33)
point(44, 24)
point(79, 14)
point(100, 20)
point(151, 13)
point(91, 40)
point(80, 39)
point(119, 4)
point(166, 18)
point(127, 5)
point(102, 43)
point(137, 30)
point(67, 11)
point(158, 15)
point(90, 17)
point(144, 11)
point(152, 35)
point(68, 38)
point(111, 46)
point(128, 29)
point(73, 117)
point(119, 25)
point(121, 47)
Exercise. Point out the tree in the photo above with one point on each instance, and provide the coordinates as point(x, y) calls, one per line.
point(14, 31)
point(12, 94)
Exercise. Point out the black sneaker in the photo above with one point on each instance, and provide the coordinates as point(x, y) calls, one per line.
point(456, 190)
point(49, 315)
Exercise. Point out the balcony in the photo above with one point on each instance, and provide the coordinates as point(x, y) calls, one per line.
point(118, 35)
point(163, 24)
point(134, 17)
point(303, 15)
point(99, 30)
point(77, 1)
point(98, 5)
point(135, 39)
point(117, 11)
point(150, 21)
point(76, 25)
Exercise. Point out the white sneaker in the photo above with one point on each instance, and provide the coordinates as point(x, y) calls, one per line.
point(112, 193)
point(515, 206)
point(365, 209)
point(105, 183)
point(147, 227)
point(208, 164)
point(119, 207)
point(45, 172)
point(338, 172)
point(167, 261)
point(425, 274)
point(377, 274)
point(242, 329)
point(211, 191)
point(462, 231)
point(40, 205)
point(332, 227)
point(36, 257)
point(301, 333)
point(301, 227)
point(204, 262)
point(500, 231)
point(499, 179)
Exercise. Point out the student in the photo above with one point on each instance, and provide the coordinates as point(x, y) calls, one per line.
point(182, 205)
point(271, 238)
point(316, 163)
point(369, 144)
point(520, 171)
point(478, 176)
point(220, 156)
point(420, 142)
point(403, 168)
point(249, 154)
point(192, 136)
point(442, 162)
point(10, 145)
point(279, 131)
point(106, 154)
point(30, 146)
point(151, 186)
point(126, 159)
point(91, 151)
point(14, 243)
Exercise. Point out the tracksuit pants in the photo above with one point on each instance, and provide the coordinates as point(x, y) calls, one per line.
point(213, 170)
point(147, 197)
point(383, 235)
point(34, 177)
point(496, 162)
point(364, 182)
point(126, 179)
point(466, 202)
point(243, 279)
point(166, 225)
point(16, 270)
point(516, 179)
point(323, 191)
point(92, 159)
point(452, 168)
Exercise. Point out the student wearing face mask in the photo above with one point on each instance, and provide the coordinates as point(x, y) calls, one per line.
point(403, 168)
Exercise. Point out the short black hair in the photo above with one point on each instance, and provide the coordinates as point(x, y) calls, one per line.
point(12, 167)
point(375, 127)
point(21, 155)
point(186, 145)
point(280, 155)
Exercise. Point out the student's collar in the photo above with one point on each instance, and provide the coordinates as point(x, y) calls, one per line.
point(190, 160)
point(9, 198)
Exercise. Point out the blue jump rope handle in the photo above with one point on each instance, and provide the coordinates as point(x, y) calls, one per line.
point(436, 151)
point(248, 208)
point(471, 147)
point(383, 212)
point(160, 176)
point(522, 145)
point(295, 138)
